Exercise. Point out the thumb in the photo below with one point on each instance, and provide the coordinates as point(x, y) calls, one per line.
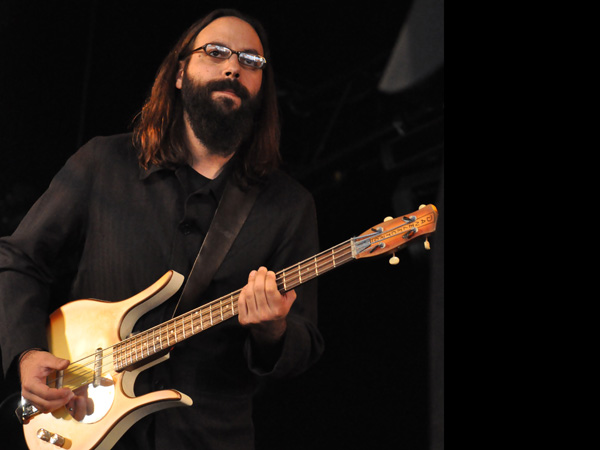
point(59, 363)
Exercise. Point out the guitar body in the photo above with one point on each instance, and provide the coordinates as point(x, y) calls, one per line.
point(79, 328)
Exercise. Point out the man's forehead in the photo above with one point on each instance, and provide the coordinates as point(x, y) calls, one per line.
point(232, 32)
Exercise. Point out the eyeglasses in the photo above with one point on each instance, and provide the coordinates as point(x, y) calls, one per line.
point(250, 60)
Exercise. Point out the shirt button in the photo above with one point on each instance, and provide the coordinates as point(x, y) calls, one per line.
point(185, 228)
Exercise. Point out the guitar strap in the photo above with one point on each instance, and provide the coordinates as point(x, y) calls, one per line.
point(231, 213)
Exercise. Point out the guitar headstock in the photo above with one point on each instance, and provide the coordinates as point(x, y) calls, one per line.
point(392, 234)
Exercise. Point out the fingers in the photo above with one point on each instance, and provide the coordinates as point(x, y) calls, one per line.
point(80, 406)
point(260, 301)
point(44, 398)
point(35, 366)
point(254, 298)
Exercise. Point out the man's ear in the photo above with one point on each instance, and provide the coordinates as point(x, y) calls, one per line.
point(179, 79)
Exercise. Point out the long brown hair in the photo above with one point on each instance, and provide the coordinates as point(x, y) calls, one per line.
point(158, 129)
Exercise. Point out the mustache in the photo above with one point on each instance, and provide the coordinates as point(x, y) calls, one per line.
point(228, 84)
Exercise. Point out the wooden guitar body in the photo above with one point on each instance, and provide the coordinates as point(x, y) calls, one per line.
point(76, 328)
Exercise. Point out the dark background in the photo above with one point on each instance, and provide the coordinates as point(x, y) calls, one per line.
point(72, 70)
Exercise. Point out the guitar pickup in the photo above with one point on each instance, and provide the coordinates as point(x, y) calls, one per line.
point(53, 438)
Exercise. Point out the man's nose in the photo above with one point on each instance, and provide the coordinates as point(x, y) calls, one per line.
point(232, 68)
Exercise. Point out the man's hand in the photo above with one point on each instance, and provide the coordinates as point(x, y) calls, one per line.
point(35, 366)
point(263, 308)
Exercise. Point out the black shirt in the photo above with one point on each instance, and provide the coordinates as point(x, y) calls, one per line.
point(107, 229)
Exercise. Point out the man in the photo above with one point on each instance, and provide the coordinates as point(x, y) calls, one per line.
point(126, 209)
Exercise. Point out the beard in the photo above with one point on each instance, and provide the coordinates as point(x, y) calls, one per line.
point(217, 123)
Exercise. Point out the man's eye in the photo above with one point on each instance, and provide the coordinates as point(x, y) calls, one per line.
point(218, 53)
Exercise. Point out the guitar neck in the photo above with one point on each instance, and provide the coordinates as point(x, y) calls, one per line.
point(132, 351)
point(384, 238)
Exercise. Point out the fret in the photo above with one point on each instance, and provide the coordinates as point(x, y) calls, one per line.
point(316, 266)
point(333, 256)
point(221, 307)
point(145, 346)
point(135, 349)
point(225, 315)
point(183, 326)
point(116, 362)
point(300, 274)
point(211, 318)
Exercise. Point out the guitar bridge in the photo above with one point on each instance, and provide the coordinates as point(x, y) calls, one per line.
point(25, 411)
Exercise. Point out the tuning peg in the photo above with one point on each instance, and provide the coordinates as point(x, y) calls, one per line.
point(394, 260)
point(388, 218)
point(422, 206)
point(426, 244)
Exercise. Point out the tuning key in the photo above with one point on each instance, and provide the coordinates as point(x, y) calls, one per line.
point(426, 244)
point(394, 260)
point(422, 206)
point(388, 218)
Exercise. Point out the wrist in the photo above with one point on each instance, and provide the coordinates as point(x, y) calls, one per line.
point(24, 355)
point(29, 350)
point(270, 334)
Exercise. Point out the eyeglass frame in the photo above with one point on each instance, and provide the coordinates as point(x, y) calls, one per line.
point(238, 53)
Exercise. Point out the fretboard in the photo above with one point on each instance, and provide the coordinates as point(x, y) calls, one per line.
point(135, 349)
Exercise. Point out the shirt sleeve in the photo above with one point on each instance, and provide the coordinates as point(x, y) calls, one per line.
point(29, 259)
point(302, 343)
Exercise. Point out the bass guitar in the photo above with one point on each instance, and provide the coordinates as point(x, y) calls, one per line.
point(105, 360)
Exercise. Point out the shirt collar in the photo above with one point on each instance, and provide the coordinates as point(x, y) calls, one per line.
point(145, 173)
point(216, 186)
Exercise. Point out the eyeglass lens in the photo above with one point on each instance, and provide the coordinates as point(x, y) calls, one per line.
point(247, 59)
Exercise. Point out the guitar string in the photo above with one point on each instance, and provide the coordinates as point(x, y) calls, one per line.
point(132, 344)
point(129, 348)
point(293, 273)
point(295, 280)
